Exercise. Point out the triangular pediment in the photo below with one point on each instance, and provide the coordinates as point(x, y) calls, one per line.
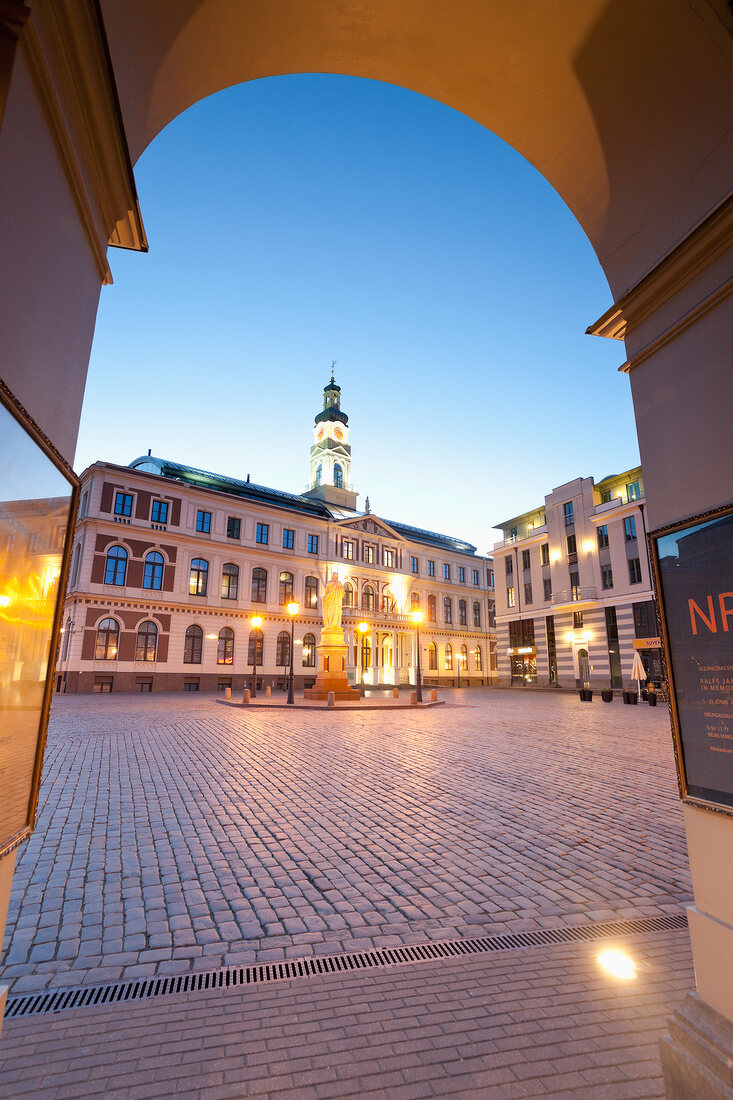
point(371, 525)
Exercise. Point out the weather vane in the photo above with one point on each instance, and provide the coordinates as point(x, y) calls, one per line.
point(333, 365)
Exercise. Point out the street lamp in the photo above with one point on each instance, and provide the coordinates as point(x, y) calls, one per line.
point(255, 623)
point(292, 612)
point(417, 617)
point(362, 628)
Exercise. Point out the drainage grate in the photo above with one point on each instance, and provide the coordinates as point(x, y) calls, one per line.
point(57, 1000)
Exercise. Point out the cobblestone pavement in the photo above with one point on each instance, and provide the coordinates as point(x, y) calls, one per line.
point(529, 1023)
point(177, 834)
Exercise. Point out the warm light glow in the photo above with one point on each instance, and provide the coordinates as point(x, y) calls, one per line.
point(212, 635)
point(617, 964)
point(588, 545)
point(569, 638)
point(362, 627)
point(555, 555)
point(256, 621)
point(293, 608)
point(4, 601)
point(417, 617)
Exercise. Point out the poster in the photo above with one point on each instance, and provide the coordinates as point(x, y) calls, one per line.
point(693, 563)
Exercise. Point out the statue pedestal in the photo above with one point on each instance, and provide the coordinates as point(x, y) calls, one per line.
point(331, 676)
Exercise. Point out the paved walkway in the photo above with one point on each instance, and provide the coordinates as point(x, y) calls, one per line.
point(178, 834)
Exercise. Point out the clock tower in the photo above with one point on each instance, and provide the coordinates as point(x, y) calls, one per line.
point(330, 457)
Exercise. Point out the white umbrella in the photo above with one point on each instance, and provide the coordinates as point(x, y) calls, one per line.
point(638, 672)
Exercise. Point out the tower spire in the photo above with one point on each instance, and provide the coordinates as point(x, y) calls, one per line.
point(330, 457)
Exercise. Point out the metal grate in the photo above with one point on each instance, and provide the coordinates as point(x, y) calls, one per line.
point(58, 1000)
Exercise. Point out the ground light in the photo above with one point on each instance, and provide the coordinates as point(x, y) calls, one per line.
point(617, 964)
point(362, 628)
point(417, 617)
point(293, 609)
point(255, 623)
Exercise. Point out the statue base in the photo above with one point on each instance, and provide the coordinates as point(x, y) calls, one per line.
point(331, 676)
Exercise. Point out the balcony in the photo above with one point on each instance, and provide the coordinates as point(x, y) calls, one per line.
point(356, 614)
point(329, 485)
point(521, 538)
point(575, 595)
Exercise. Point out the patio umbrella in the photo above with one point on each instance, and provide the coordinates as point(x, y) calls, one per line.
point(638, 671)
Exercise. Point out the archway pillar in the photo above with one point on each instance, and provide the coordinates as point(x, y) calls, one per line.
point(677, 323)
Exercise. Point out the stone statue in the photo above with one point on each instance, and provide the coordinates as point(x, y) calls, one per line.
point(332, 602)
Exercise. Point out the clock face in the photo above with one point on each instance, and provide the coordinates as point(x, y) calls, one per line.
point(320, 434)
point(338, 433)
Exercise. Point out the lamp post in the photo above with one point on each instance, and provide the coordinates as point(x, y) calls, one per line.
point(417, 618)
point(362, 628)
point(292, 612)
point(255, 623)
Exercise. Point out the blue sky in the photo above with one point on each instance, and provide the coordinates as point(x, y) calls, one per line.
point(301, 219)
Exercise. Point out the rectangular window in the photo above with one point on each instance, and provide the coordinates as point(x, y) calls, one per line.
point(123, 504)
point(525, 559)
point(575, 586)
point(431, 568)
point(577, 620)
point(288, 538)
point(347, 550)
point(159, 512)
point(547, 585)
point(521, 632)
point(602, 537)
point(606, 576)
point(234, 527)
point(605, 496)
point(572, 548)
point(510, 597)
point(461, 575)
point(568, 513)
point(614, 654)
point(312, 544)
point(509, 565)
point(632, 491)
point(203, 522)
point(645, 619)
point(446, 571)
point(630, 528)
point(474, 576)
point(528, 593)
point(492, 613)
point(388, 557)
point(634, 571)
point(263, 533)
point(414, 565)
point(490, 577)
point(545, 553)
point(369, 555)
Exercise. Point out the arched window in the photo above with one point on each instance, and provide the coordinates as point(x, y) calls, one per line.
point(259, 585)
point(147, 641)
point(476, 613)
point(229, 581)
point(193, 645)
point(67, 639)
point(285, 592)
point(462, 619)
point(75, 565)
point(282, 651)
point(432, 656)
point(108, 636)
point(449, 656)
point(225, 650)
point(199, 578)
point(153, 571)
point(367, 598)
point(338, 476)
point(414, 601)
point(309, 651)
point(311, 591)
point(431, 609)
point(479, 659)
point(464, 657)
point(115, 568)
point(319, 473)
point(447, 609)
point(348, 600)
point(388, 600)
point(256, 638)
point(366, 651)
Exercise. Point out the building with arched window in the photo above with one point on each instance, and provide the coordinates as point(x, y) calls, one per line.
point(199, 548)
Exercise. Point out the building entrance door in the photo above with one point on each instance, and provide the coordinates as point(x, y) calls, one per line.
point(583, 667)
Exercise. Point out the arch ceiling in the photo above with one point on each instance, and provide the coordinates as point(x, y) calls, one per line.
point(624, 107)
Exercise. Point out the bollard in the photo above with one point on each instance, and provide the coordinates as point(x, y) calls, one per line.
point(227, 693)
point(396, 693)
point(268, 691)
point(413, 698)
point(331, 699)
point(245, 697)
point(433, 696)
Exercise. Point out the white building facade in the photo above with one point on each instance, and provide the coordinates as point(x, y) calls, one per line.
point(574, 595)
point(171, 564)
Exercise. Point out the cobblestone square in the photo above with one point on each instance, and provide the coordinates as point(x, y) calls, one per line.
point(178, 834)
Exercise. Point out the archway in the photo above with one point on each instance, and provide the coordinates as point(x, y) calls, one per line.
point(549, 86)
